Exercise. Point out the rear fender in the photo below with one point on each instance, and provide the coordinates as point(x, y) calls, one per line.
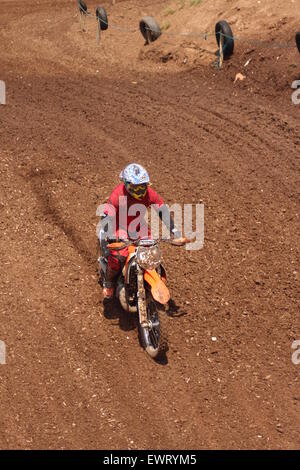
point(159, 290)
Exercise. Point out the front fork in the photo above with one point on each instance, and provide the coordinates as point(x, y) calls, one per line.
point(141, 295)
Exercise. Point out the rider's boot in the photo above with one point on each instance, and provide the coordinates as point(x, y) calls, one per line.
point(109, 283)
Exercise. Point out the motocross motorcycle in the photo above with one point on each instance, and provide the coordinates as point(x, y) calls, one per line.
point(141, 288)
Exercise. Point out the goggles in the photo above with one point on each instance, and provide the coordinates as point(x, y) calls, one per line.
point(138, 191)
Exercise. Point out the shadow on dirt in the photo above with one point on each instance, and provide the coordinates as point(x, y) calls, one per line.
point(113, 311)
point(174, 311)
point(162, 361)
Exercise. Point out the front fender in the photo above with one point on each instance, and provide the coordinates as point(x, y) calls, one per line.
point(159, 290)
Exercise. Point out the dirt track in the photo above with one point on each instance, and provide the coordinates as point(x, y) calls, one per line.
point(75, 115)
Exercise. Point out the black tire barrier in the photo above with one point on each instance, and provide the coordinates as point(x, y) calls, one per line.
point(150, 29)
point(82, 7)
point(224, 30)
point(298, 40)
point(102, 18)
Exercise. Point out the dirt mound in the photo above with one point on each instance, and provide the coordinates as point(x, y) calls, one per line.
point(189, 28)
point(76, 113)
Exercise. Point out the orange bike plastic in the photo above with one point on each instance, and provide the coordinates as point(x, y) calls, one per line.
point(159, 290)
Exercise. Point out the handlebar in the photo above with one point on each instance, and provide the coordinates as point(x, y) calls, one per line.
point(117, 244)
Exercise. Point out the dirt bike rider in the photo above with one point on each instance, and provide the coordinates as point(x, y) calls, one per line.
point(134, 189)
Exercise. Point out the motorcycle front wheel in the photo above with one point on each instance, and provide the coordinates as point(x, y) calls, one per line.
point(154, 339)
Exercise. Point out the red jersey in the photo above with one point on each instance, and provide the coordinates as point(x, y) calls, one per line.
point(129, 212)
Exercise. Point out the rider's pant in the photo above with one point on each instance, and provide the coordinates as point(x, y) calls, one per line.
point(117, 259)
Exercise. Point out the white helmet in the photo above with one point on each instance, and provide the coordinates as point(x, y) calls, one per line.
point(135, 174)
point(136, 180)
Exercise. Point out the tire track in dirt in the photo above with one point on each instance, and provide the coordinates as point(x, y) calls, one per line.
point(116, 389)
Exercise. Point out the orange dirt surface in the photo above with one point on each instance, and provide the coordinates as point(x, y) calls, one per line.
point(78, 112)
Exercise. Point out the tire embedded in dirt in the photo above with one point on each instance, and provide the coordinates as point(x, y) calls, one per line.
point(225, 35)
point(102, 17)
point(150, 29)
point(82, 7)
point(298, 40)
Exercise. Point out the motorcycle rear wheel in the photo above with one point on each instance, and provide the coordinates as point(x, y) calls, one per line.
point(155, 340)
